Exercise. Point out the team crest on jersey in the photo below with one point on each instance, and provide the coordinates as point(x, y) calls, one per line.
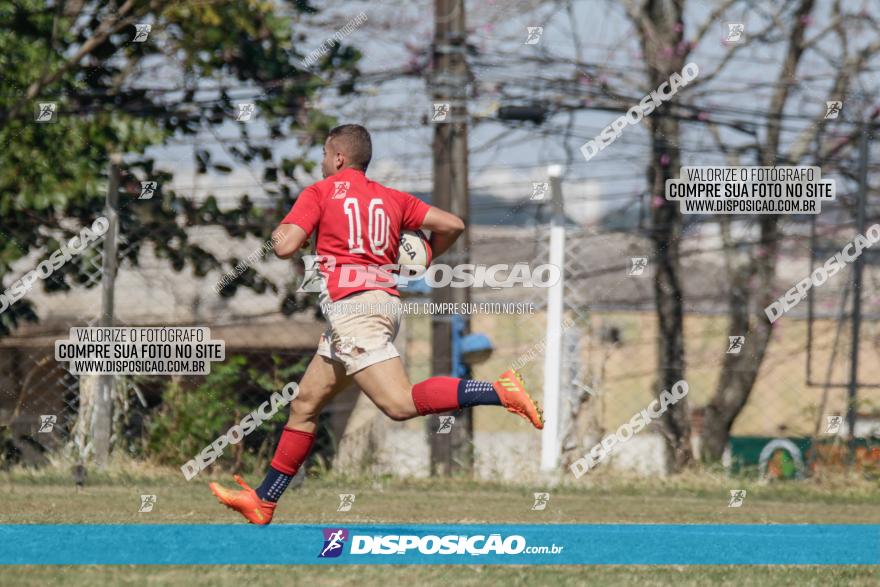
point(340, 189)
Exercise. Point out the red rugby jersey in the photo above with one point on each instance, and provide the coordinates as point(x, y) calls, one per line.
point(357, 222)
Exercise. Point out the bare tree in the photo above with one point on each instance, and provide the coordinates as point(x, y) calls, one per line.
point(660, 26)
point(752, 275)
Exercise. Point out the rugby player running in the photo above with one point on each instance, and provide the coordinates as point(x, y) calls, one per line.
point(358, 222)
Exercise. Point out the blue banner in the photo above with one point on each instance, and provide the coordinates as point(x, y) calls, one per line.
point(618, 544)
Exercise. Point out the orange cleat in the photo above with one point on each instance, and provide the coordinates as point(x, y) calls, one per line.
point(511, 389)
point(244, 501)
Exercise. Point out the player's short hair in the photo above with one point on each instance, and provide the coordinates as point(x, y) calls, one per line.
point(354, 141)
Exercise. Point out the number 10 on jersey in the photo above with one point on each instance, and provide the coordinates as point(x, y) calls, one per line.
point(377, 226)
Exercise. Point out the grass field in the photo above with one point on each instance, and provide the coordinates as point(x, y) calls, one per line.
point(47, 496)
point(416, 576)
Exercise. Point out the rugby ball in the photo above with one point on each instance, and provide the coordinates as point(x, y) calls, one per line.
point(414, 249)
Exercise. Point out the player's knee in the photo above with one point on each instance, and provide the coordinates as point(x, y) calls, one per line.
point(305, 406)
point(397, 414)
point(400, 411)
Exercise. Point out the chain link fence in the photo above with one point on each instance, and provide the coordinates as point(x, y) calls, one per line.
point(42, 400)
point(609, 346)
point(610, 342)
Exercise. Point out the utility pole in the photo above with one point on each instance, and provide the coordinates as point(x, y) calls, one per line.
point(102, 414)
point(858, 269)
point(550, 441)
point(453, 452)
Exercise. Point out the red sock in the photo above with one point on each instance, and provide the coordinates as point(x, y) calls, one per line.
point(436, 395)
point(293, 448)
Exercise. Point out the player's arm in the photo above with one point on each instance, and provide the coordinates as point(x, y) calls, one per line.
point(293, 232)
point(287, 239)
point(445, 229)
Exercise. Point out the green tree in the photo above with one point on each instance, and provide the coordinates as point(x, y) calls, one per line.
point(115, 95)
point(192, 418)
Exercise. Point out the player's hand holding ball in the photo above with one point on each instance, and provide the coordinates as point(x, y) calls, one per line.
point(414, 250)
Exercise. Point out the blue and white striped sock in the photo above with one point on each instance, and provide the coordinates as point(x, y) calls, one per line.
point(273, 485)
point(476, 393)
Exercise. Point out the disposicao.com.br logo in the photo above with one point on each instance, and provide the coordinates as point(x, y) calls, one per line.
point(476, 545)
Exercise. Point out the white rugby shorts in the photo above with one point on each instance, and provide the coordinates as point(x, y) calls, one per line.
point(361, 329)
